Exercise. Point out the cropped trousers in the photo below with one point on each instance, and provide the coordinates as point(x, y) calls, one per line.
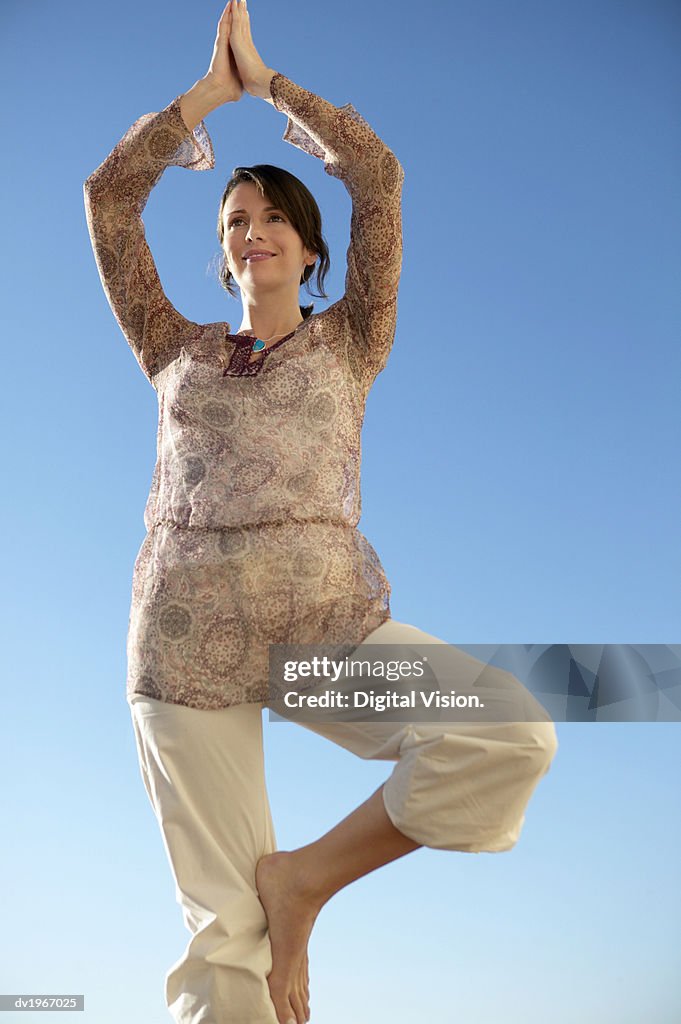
point(455, 786)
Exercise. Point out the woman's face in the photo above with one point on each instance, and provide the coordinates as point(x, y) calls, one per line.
point(249, 224)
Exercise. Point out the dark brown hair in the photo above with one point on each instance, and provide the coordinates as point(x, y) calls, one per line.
point(290, 195)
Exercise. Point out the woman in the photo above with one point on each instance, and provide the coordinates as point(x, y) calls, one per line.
point(252, 540)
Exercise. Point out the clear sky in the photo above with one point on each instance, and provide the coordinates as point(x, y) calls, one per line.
point(520, 484)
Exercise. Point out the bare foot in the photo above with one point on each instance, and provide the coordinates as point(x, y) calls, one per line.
point(291, 913)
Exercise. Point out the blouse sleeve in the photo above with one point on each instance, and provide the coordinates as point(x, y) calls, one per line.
point(115, 196)
point(373, 176)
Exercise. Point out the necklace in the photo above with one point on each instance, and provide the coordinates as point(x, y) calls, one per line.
point(259, 343)
point(241, 356)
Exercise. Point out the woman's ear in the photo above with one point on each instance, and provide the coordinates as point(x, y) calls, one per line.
point(310, 260)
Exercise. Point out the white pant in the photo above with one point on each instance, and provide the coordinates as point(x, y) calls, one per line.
point(455, 786)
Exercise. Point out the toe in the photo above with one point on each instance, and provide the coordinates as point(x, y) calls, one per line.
point(283, 1008)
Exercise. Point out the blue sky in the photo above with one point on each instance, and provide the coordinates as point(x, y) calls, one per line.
point(520, 484)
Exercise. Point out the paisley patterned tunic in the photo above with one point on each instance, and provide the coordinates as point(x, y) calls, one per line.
point(254, 502)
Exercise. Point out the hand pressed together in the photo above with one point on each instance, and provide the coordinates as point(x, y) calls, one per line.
point(236, 64)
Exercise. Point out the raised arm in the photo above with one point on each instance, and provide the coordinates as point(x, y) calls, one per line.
point(115, 196)
point(373, 176)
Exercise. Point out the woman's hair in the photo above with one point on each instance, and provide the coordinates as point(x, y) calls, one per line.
point(290, 195)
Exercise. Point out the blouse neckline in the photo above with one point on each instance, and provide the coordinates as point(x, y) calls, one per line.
point(243, 359)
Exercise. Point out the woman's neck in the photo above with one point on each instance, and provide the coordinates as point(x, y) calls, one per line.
point(270, 324)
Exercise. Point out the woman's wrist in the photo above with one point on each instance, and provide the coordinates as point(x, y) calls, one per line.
point(261, 86)
point(204, 96)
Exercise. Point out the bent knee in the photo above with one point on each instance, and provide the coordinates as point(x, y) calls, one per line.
point(532, 744)
point(540, 742)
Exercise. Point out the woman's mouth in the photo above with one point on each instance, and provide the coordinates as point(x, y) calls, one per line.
point(259, 256)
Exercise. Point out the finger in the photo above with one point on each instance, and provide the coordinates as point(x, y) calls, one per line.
point(224, 17)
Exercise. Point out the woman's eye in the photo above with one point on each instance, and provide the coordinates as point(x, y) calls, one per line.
point(237, 219)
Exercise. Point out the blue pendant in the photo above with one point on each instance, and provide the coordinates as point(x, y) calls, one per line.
point(259, 345)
